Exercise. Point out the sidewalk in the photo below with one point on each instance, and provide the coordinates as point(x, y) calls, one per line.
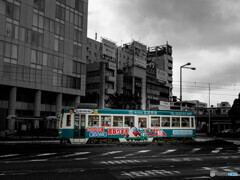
point(13, 139)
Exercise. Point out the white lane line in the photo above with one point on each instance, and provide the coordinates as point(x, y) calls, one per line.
point(168, 151)
point(109, 153)
point(79, 159)
point(37, 160)
point(45, 154)
point(9, 155)
point(195, 150)
point(143, 151)
point(217, 150)
point(76, 154)
point(119, 157)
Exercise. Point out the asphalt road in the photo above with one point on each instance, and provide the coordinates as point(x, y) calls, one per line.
point(121, 161)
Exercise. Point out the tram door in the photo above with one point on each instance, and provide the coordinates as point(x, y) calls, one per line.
point(76, 126)
point(82, 125)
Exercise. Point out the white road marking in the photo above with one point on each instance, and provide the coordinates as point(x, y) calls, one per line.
point(36, 160)
point(112, 152)
point(119, 162)
point(168, 151)
point(9, 155)
point(200, 177)
point(76, 154)
point(45, 154)
point(139, 152)
point(194, 150)
point(217, 150)
point(149, 173)
point(79, 159)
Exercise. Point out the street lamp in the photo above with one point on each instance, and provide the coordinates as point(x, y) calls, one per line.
point(183, 66)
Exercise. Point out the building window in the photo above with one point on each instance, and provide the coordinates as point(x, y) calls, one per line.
point(39, 4)
point(13, 11)
point(77, 50)
point(79, 68)
point(37, 38)
point(78, 20)
point(38, 20)
point(58, 44)
point(77, 35)
point(36, 59)
point(11, 53)
point(79, 5)
point(12, 30)
point(60, 12)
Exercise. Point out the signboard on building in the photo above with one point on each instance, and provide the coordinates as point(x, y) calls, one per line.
point(109, 49)
point(161, 76)
point(140, 54)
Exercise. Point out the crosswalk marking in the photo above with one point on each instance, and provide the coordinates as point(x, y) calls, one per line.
point(149, 173)
point(76, 154)
point(9, 155)
point(112, 152)
point(217, 150)
point(45, 154)
point(194, 150)
point(119, 162)
point(168, 151)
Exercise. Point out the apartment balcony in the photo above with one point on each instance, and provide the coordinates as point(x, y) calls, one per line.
point(170, 65)
point(110, 78)
point(109, 91)
point(170, 79)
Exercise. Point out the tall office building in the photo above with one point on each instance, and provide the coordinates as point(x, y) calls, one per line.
point(42, 59)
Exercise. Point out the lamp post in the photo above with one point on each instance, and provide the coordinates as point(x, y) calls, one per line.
point(183, 66)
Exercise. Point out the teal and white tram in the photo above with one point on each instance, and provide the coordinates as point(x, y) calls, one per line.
point(89, 125)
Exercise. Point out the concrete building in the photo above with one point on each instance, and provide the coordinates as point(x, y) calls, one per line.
point(128, 70)
point(101, 71)
point(159, 77)
point(132, 64)
point(42, 60)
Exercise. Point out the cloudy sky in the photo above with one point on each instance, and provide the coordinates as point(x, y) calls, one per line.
point(203, 32)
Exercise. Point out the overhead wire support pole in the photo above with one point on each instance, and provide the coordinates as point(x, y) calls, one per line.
point(209, 116)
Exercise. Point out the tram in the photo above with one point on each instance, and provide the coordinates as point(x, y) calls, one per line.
point(95, 125)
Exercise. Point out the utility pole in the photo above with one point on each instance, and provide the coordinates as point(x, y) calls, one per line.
point(209, 118)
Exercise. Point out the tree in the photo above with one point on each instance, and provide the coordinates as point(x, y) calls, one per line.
point(234, 113)
point(122, 101)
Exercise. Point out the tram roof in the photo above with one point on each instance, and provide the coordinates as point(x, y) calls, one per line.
point(128, 112)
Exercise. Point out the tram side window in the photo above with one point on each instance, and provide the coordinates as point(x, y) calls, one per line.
point(129, 121)
point(185, 122)
point(93, 121)
point(117, 121)
point(175, 122)
point(83, 120)
point(192, 121)
point(106, 121)
point(76, 121)
point(165, 121)
point(155, 121)
point(68, 123)
point(142, 122)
